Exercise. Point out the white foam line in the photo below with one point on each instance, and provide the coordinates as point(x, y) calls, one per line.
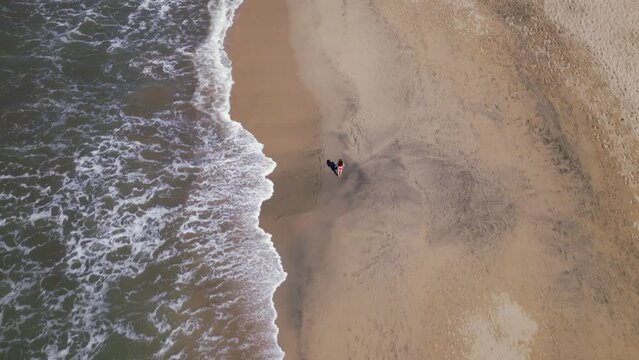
point(214, 88)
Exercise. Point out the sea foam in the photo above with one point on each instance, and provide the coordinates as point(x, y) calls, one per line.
point(128, 230)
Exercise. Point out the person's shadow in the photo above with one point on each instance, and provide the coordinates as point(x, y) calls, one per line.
point(332, 165)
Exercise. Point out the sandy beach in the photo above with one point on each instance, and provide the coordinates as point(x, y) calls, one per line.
point(488, 205)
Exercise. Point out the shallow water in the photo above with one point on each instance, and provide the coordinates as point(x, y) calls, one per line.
point(128, 198)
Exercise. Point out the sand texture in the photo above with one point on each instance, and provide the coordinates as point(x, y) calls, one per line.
point(487, 208)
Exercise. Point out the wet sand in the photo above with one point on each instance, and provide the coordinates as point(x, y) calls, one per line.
point(270, 101)
point(487, 208)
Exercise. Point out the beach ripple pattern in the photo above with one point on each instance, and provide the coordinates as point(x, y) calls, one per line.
point(128, 197)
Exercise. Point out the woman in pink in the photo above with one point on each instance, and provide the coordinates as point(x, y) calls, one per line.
point(340, 167)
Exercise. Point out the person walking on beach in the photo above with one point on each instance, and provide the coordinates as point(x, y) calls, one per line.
point(340, 167)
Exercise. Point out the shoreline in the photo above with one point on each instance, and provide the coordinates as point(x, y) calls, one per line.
point(478, 216)
point(269, 101)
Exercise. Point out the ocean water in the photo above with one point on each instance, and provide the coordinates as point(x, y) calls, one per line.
point(128, 197)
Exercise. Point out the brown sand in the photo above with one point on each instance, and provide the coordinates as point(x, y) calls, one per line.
point(269, 100)
point(480, 214)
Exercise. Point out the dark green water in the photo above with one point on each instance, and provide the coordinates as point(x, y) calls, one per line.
point(128, 198)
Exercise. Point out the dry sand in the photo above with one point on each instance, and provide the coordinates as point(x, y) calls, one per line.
point(487, 208)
